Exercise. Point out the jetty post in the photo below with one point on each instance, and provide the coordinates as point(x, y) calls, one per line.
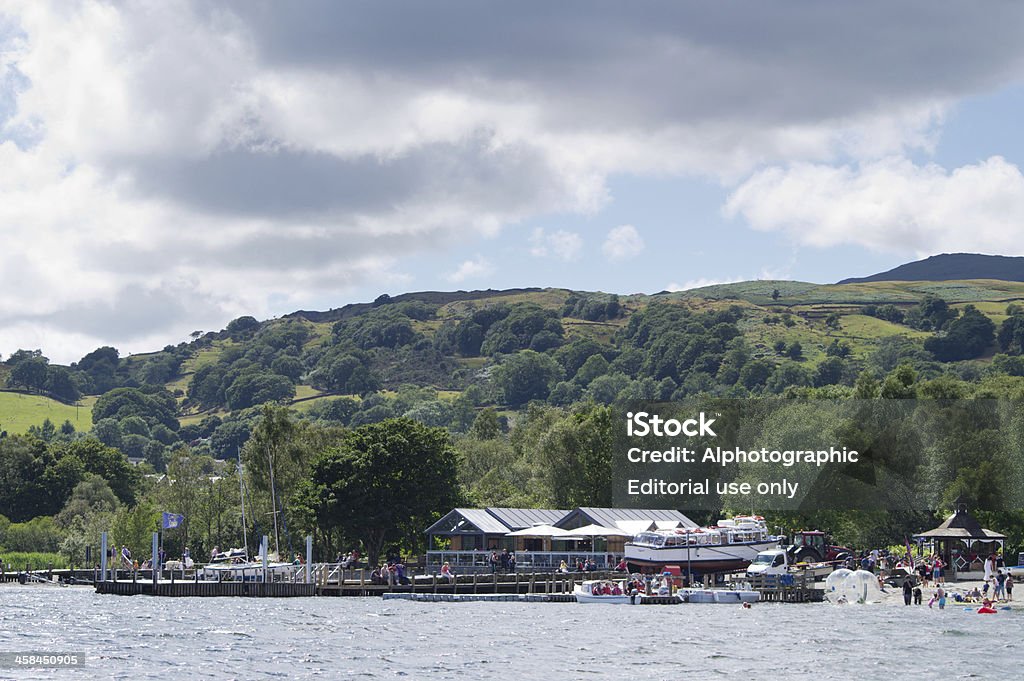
point(103, 556)
point(156, 557)
point(309, 559)
point(263, 552)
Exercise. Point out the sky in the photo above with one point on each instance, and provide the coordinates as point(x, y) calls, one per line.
point(167, 166)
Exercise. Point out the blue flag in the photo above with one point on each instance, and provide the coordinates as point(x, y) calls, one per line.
point(172, 520)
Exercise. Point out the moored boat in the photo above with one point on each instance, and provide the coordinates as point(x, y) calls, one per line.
point(251, 571)
point(603, 591)
point(729, 545)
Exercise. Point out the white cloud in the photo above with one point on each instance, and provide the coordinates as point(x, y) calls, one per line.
point(890, 205)
point(471, 269)
point(559, 244)
point(622, 243)
point(700, 282)
point(241, 156)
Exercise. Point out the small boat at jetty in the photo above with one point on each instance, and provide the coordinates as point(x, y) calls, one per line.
point(233, 565)
point(602, 591)
point(697, 595)
point(729, 545)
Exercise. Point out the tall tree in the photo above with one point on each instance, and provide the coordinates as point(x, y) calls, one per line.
point(383, 484)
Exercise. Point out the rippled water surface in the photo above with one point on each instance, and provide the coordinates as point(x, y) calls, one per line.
point(239, 638)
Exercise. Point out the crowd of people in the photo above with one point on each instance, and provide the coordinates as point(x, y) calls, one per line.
point(391, 572)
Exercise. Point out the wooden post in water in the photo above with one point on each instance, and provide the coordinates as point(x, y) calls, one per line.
point(309, 559)
point(156, 556)
point(103, 556)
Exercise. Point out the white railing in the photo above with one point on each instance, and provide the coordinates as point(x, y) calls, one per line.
point(526, 561)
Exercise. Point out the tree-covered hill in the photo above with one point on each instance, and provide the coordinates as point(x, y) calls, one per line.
point(514, 387)
point(441, 357)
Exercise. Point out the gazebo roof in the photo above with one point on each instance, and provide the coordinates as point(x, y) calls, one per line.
point(960, 525)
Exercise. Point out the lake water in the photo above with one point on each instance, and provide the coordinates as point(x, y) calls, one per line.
point(329, 638)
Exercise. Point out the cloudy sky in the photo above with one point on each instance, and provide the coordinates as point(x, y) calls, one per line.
point(166, 166)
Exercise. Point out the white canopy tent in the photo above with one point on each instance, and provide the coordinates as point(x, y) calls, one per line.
point(591, 531)
point(541, 531)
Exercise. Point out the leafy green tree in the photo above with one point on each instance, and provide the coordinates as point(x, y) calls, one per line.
point(788, 374)
point(338, 410)
point(38, 534)
point(899, 385)
point(565, 393)
point(383, 483)
point(106, 462)
point(1011, 333)
point(518, 330)
point(252, 388)
point(756, 373)
point(135, 425)
point(100, 367)
point(29, 374)
point(486, 425)
point(21, 355)
point(829, 372)
point(228, 438)
point(606, 389)
point(576, 458)
point(290, 367)
point(572, 356)
point(134, 527)
point(91, 495)
point(242, 328)
point(108, 431)
point(154, 405)
point(838, 348)
point(596, 365)
point(967, 337)
point(526, 376)
point(60, 385)
point(23, 490)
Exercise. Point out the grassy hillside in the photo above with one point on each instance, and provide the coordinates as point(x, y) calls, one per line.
point(18, 411)
point(773, 313)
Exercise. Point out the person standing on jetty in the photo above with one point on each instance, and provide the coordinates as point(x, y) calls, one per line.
point(126, 556)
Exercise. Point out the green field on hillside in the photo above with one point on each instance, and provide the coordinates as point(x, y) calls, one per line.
point(18, 411)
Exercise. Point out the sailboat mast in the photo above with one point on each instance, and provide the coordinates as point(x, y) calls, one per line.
point(241, 498)
point(273, 501)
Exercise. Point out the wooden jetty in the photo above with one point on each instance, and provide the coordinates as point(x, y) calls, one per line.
point(330, 580)
point(209, 589)
point(799, 588)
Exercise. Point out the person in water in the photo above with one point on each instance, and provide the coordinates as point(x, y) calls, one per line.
point(908, 591)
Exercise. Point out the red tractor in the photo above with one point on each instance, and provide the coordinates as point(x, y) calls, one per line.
point(813, 546)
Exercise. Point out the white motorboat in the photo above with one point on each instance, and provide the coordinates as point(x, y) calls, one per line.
point(697, 595)
point(729, 545)
point(603, 591)
point(736, 596)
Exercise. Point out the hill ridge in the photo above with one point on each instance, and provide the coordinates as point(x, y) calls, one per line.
point(951, 267)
